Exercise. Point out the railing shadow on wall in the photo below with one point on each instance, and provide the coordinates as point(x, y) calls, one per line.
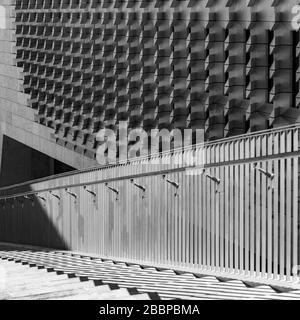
point(233, 210)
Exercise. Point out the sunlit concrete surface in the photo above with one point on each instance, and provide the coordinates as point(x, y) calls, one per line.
point(2, 17)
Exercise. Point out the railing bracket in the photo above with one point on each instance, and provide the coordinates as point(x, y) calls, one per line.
point(270, 175)
point(138, 185)
point(11, 203)
point(40, 197)
point(214, 179)
point(173, 183)
point(94, 194)
point(90, 191)
point(71, 193)
point(54, 195)
point(20, 201)
point(30, 199)
point(113, 190)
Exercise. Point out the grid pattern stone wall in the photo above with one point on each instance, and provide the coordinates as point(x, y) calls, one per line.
point(224, 66)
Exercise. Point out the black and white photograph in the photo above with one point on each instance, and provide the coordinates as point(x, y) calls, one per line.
point(149, 154)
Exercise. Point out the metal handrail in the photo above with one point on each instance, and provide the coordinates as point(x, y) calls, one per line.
point(158, 155)
point(253, 160)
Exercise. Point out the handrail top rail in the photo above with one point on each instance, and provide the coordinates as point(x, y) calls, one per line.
point(161, 172)
point(156, 156)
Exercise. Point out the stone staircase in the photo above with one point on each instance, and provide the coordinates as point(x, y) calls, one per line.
point(56, 275)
